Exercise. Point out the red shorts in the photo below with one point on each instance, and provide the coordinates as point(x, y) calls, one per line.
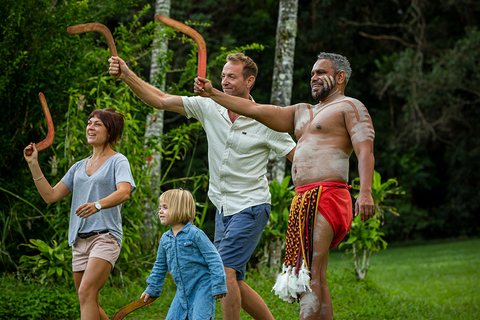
point(335, 205)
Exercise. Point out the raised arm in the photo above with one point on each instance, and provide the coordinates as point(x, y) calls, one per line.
point(148, 93)
point(276, 118)
point(49, 194)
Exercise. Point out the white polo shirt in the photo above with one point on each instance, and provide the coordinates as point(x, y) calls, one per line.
point(237, 155)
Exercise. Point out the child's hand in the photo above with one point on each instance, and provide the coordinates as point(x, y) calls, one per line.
point(145, 296)
point(220, 296)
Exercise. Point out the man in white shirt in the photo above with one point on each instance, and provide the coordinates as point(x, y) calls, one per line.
point(238, 149)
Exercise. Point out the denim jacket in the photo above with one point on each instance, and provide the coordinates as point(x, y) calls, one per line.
point(197, 270)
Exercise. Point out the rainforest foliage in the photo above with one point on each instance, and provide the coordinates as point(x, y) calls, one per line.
point(415, 67)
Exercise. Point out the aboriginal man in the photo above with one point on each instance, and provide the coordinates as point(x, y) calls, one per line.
point(321, 212)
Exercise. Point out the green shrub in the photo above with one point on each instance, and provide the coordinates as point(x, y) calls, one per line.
point(31, 300)
point(52, 263)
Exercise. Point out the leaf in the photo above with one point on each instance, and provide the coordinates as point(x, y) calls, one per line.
point(352, 239)
point(51, 271)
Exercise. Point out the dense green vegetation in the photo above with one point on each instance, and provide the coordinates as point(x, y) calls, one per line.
point(429, 281)
point(415, 66)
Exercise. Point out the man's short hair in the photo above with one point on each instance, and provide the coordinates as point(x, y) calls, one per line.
point(339, 63)
point(249, 67)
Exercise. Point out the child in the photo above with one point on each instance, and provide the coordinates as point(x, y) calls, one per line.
point(191, 258)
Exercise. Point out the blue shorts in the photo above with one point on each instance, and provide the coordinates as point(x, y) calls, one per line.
point(237, 236)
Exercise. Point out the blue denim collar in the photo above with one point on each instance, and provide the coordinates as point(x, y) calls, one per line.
point(185, 229)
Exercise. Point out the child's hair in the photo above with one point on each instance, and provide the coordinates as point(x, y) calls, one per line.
point(181, 206)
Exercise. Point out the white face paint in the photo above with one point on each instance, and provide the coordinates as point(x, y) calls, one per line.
point(328, 82)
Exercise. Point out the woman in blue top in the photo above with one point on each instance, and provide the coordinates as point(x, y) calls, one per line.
point(100, 184)
point(191, 258)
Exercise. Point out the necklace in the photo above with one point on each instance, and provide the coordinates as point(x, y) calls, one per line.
point(91, 163)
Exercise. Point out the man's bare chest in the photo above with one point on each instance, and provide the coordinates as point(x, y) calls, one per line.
point(325, 121)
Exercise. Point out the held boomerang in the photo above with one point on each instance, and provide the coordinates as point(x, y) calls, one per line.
point(122, 312)
point(95, 27)
point(202, 49)
point(51, 130)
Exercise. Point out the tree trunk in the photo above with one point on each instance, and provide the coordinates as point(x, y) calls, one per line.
point(283, 73)
point(281, 95)
point(275, 256)
point(155, 119)
point(361, 262)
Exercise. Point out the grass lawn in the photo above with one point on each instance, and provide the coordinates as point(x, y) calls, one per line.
point(430, 281)
point(433, 281)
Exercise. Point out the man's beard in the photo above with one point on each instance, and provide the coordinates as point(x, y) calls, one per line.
point(327, 87)
point(322, 95)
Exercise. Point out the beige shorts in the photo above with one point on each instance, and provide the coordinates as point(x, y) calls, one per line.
point(103, 246)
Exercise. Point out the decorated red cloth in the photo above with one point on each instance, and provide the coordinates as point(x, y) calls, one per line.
point(335, 205)
point(333, 201)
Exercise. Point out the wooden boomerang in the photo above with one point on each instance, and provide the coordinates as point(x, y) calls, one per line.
point(51, 130)
point(122, 312)
point(202, 49)
point(95, 27)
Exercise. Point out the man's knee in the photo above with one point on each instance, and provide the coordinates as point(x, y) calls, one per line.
point(231, 274)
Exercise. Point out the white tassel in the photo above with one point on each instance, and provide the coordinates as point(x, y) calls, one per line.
point(303, 280)
point(289, 285)
point(281, 285)
point(292, 283)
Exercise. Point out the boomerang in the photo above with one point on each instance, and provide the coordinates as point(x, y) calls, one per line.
point(202, 49)
point(51, 130)
point(95, 27)
point(122, 312)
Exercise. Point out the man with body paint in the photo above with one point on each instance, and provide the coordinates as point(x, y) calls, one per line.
point(321, 212)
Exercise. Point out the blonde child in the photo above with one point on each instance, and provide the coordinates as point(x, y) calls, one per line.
point(191, 258)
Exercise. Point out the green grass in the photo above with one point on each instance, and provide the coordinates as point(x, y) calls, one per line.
point(430, 281)
point(436, 281)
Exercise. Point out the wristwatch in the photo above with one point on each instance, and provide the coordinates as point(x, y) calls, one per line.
point(98, 206)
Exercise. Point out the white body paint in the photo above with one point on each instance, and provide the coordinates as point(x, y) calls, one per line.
point(326, 135)
point(309, 305)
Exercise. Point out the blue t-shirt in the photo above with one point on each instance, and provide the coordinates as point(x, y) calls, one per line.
point(94, 188)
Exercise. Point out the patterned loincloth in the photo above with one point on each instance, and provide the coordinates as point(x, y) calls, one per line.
point(295, 276)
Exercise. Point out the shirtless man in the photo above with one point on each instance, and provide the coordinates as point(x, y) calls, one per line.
point(327, 133)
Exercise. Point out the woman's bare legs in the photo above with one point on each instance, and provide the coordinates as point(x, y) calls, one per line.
point(88, 284)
